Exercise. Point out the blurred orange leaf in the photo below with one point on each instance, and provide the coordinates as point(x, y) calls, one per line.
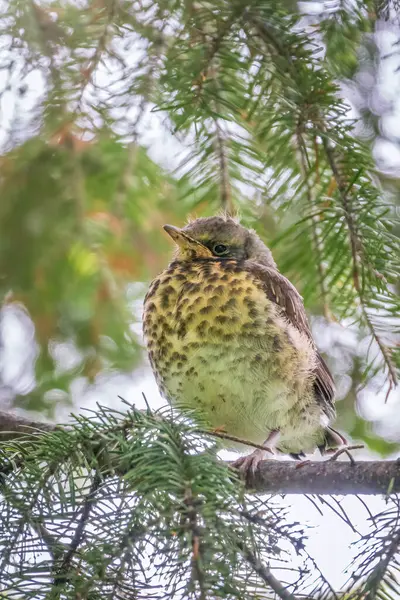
point(111, 221)
point(123, 263)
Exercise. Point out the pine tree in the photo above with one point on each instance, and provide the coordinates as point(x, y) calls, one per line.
point(255, 100)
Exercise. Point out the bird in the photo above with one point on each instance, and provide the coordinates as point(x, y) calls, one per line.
point(227, 335)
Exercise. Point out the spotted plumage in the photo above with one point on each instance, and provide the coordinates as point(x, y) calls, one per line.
point(228, 335)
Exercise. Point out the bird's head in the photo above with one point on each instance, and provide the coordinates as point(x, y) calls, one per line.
point(219, 237)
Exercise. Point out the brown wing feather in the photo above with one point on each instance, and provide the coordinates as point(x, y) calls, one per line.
point(284, 294)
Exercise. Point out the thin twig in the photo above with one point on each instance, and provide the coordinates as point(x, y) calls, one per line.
point(197, 568)
point(94, 61)
point(54, 546)
point(265, 573)
point(314, 224)
point(26, 510)
point(233, 438)
point(62, 575)
point(225, 186)
point(346, 450)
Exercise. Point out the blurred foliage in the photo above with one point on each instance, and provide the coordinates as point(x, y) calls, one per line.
point(120, 116)
point(70, 246)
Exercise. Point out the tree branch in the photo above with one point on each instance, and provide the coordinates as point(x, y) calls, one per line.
point(327, 477)
point(225, 186)
point(316, 239)
point(272, 476)
point(13, 426)
point(63, 573)
point(265, 574)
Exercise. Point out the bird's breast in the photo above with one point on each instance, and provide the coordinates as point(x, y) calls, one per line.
point(196, 304)
point(216, 342)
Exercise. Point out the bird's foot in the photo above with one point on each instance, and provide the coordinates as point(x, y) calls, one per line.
point(248, 465)
point(333, 440)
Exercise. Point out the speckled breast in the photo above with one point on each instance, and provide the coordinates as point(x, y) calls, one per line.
point(195, 305)
point(216, 343)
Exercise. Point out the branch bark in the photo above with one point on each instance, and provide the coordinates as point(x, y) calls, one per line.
point(13, 426)
point(272, 476)
point(265, 574)
point(326, 477)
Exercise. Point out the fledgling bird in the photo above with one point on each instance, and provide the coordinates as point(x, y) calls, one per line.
point(228, 335)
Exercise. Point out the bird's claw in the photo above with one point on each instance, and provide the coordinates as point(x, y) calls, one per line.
point(248, 465)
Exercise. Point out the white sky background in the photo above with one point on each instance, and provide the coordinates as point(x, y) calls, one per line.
point(330, 540)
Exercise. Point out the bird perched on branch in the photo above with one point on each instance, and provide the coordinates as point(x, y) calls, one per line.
point(228, 335)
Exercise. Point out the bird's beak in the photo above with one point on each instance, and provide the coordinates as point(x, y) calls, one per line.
point(189, 247)
point(180, 238)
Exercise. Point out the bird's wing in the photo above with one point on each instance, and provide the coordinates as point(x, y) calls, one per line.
point(280, 291)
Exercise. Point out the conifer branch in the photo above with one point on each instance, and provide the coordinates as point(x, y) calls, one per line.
point(378, 575)
point(13, 426)
point(305, 169)
point(54, 546)
point(272, 476)
point(123, 184)
point(94, 61)
point(46, 29)
point(63, 573)
point(225, 187)
point(378, 563)
point(211, 71)
point(355, 247)
point(327, 477)
point(223, 32)
point(265, 574)
point(26, 519)
point(197, 558)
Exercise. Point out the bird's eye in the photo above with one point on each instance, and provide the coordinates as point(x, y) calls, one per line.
point(220, 249)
